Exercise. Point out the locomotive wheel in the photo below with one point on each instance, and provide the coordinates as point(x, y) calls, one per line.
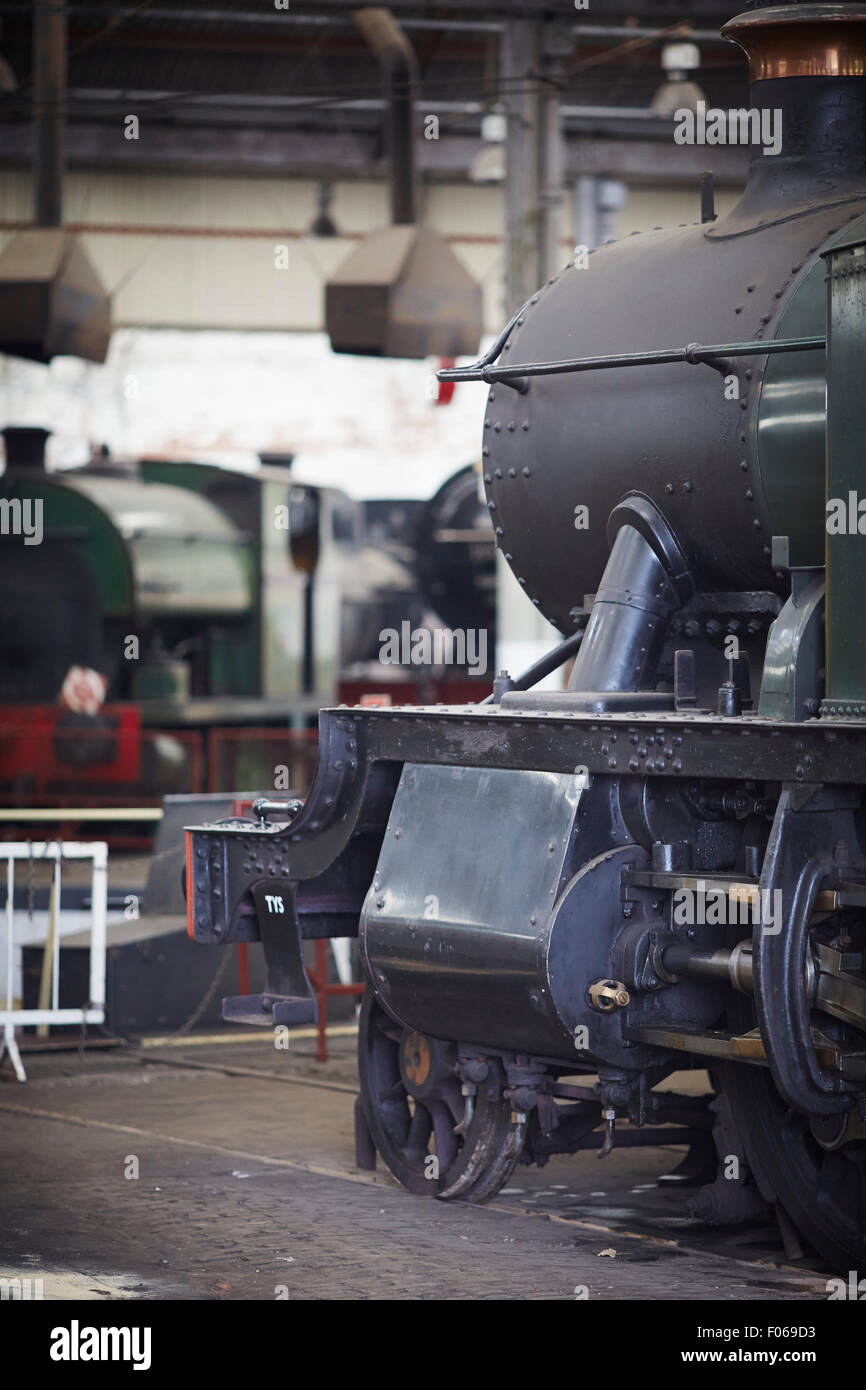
point(818, 1177)
point(411, 1094)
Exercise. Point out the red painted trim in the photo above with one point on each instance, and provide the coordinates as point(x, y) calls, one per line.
point(190, 894)
point(243, 968)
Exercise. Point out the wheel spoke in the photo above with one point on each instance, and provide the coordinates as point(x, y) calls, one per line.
point(455, 1101)
point(446, 1139)
point(385, 1027)
point(420, 1129)
point(396, 1091)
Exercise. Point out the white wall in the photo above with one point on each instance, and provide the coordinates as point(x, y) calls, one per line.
point(363, 424)
point(219, 355)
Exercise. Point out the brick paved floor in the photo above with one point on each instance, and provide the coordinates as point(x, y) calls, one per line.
point(247, 1186)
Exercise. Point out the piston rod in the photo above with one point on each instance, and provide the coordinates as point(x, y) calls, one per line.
point(734, 966)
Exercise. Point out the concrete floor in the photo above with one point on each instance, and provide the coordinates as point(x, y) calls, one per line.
point(247, 1189)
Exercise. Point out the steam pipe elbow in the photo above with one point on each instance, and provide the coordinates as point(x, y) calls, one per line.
point(639, 511)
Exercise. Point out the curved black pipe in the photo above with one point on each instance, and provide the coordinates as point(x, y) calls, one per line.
point(646, 580)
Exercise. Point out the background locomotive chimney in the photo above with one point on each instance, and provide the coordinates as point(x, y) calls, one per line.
point(25, 446)
point(807, 66)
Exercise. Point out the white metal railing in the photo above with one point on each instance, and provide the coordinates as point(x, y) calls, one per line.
point(93, 1009)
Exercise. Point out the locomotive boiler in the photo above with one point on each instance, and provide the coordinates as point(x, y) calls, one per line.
point(562, 898)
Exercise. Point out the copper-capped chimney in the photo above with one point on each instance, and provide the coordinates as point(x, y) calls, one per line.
point(808, 64)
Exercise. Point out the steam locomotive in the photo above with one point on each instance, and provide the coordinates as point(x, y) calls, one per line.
point(205, 596)
point(663, 866)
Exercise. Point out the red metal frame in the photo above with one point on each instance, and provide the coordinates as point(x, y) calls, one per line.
point(243, 967)
point(27, 734)
point(324, 992)
point(27, 752)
